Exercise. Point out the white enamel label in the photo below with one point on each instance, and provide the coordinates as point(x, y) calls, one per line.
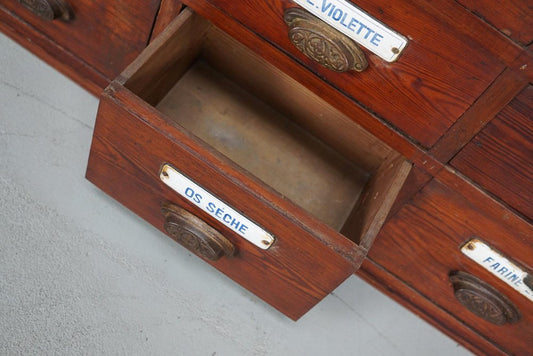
point(498, 265)
point(358, 25)
point(216, 208)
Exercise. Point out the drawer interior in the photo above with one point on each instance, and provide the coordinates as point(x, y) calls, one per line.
point(207, 83)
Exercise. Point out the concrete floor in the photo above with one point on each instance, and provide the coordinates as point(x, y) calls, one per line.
point(80, 274)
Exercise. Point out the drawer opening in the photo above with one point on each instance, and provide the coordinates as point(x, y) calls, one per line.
point(209, 84)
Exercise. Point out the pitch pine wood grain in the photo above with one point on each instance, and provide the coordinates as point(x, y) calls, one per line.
point(293, 275)
point(421, 246)
point(452, 57)
point(486, 107)
point(53, 54)
point(378, 197)
point(500, 157)
point(107, 35)
point(425, 308)
point(133, 140)
point(317, 86)
point(284, 156)
point(514, 19)
point(168, 10)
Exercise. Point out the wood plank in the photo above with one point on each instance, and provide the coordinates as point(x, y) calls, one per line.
point(286, 275)
point(452, 57)
point(421, 245)
point(168, 10)
point(500, 158)
point(486, 107)
point(415, 181)
point(407, 296)
point(374, 205)
point(49, 51)
point(266, 143)
point(167, 58)
point(514, 20)
point(107, 35)
point(374, 125)
point(287, 95)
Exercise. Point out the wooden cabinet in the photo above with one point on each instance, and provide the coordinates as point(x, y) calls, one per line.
point(93, 44)
point(514, 22)
point(456, 98)
point(456, 105)
point(500, 157)
point(450, 60)
point(249, 143)
point(421, 246)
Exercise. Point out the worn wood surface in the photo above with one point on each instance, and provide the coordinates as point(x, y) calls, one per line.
point(293, 275)
point(132, 139)
point(414, 182)
point(169, 56)
point(318, 87)
point(426, 309)
point(491, 102)
point(378, 197)
point(237, 127)
point(265, 143)
point(514, 19)
point(53, 54)
point(500, 157)
point(107, 35)
point(168, 10)
point(452, 57)
point(304, 107)
point(421, 246)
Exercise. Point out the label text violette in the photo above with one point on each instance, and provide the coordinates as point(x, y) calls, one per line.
point(356, 25)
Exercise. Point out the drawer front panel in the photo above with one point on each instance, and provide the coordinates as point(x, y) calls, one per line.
point(107, 35)
point(127, 153)
point(500, 157)
point(451, 58)
point(422, 244)
point(515, 21)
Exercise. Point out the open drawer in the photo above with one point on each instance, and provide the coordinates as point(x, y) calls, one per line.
point(244, 166)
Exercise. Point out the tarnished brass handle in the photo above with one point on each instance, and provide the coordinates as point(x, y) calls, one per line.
point(50, 9)
point(194, 234)
point(483, 300)
point(320, 42)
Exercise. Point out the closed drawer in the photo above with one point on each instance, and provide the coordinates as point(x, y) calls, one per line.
point(515, 22)
point(500, 157)
point(107, 35)
point(450, 59)
point(422, 246)
point(248, 143)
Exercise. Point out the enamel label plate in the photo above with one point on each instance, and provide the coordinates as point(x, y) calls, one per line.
point(498, 265)
point(206, 201)
point(359, 26)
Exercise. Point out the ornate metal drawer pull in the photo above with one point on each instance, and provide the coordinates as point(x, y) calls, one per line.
point(194, 234)
point(322, 43)
point(483, 300)
point(50, 9)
